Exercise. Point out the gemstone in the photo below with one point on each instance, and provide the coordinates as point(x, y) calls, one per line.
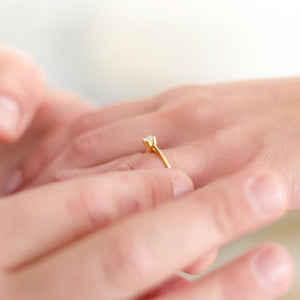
point(150, 142)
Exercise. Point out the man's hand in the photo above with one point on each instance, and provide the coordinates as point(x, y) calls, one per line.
point(30, 114)
point(123, 235)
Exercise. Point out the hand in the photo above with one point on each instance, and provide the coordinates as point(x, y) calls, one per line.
point(207, 131)
point(29, 114)
point(21, 88)
point(44, 242)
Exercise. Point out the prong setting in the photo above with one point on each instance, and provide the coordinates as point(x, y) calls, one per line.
point(150, 142)
point(151, 146)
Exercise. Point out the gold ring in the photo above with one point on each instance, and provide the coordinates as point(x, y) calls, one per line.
point(151, 145)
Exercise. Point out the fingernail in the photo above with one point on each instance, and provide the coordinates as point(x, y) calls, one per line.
point(10, 113)
point(272, 267)
point(13, 183)
point(182, 186)
point(266, 195)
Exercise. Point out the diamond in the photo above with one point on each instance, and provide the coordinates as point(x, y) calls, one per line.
point(150, 142)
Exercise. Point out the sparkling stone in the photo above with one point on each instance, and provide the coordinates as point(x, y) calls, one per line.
point(150, 142)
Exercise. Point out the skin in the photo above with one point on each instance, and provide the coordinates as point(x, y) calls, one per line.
point(207, 131)
point(126, 231)
point(30, 113)
point(21, 89)
point(134, 254)
point(53, 110)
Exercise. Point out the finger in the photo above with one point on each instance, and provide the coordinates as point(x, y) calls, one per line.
point(111, 114)
point(21, 90)
point(204, 160)
point(202, 263)
point(264, 273)
point(146, 249)
point(54, 116)
point(57, 140)
point(161, 244)
point(111, 142)
point(209, 154)
point(197, 267)
point(37, 221)
point(125, 110)
point(149, 115)
point(76, 173)
point(173, 284)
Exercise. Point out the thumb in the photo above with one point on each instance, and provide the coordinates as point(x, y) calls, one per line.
point(21, 88)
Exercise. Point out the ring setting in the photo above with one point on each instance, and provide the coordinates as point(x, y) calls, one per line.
point(150, 143)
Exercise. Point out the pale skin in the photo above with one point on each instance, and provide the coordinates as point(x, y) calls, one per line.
point(207, 131)
point(80, 239)
point(128, 243)
point(30, 113)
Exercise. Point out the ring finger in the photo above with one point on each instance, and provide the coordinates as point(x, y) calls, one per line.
point(204, 160)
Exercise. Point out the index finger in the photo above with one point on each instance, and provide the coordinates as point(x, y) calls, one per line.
point(37, 221)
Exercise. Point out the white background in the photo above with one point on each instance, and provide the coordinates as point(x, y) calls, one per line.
point(118, 49)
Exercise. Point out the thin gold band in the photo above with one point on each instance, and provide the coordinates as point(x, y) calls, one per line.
point(151, 145)
point(159, 153)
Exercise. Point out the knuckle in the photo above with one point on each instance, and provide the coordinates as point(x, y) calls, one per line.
point(225, 214)
point(80, 125)
point(80, 209)
point(86, 122)
point(206, 108)
point(83, 147)
point(157, 189)
point(150, 189)
point(195, 107)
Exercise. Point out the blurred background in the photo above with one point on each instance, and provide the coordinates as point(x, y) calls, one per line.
point(113, 50)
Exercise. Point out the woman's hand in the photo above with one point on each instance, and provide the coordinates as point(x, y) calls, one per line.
point(30, 114)
point(77, 243)
point(207, 131)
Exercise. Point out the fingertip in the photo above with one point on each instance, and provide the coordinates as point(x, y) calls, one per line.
point(273, 268)
point(10, 119)
point(267, 193)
